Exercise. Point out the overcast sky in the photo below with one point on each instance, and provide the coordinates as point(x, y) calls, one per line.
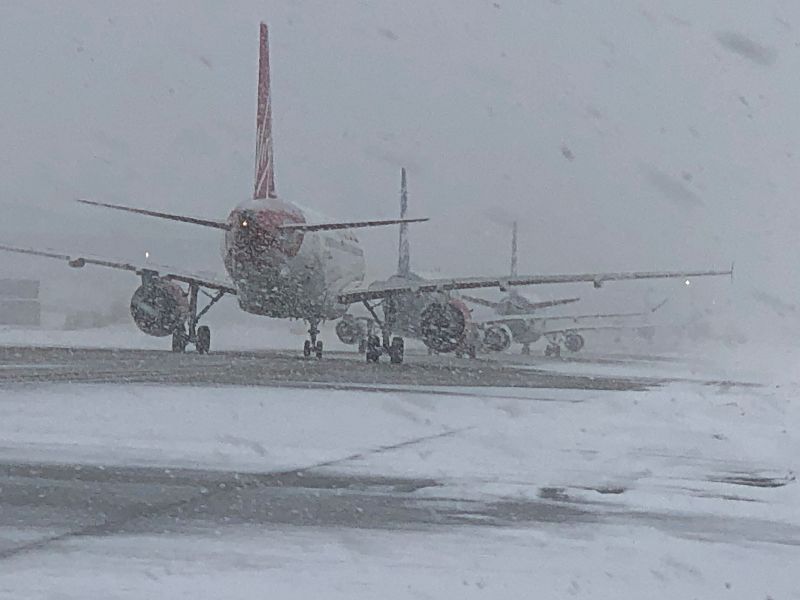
point(621, 134)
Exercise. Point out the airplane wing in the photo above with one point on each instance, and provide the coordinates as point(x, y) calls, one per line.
point(550, 332)
point(384, 290)
point(78, 261)
point(480, 301)
point(345, 225)
point(161, 215)
point(224, 225)
point(531, 305)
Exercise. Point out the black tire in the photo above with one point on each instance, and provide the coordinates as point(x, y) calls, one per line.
point(179, 341)
point(203, 343)
point(307, 349)
point(472, 351)
point(318, 349)
point(373, 349)
point(362, 346)
point(397, 351)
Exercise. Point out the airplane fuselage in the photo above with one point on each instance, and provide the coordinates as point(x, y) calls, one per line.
point(284, 273)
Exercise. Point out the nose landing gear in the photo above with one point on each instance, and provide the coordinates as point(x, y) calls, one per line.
point(312, 345)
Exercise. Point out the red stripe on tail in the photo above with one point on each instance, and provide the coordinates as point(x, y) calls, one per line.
point(265, 173)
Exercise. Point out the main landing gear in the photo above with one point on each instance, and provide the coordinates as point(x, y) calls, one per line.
point(394, 347)
point(199, 336)
point(553, 349)
point(312, 345)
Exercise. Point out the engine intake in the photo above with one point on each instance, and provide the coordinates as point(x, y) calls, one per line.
point(350, 331)
point(443, 326)
point(574, 342)
point(497, 338)
point(159, 307)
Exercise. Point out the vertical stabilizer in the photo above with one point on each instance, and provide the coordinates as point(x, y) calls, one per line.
point(514, 250)
point(265, 174)
point(404, 253)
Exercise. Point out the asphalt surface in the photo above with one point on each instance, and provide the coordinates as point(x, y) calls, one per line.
point(42, 505)
point(282, 368)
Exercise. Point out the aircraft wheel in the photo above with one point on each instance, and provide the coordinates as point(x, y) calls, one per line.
point(307, 349)
point(362, 346)
point(203, 344)
point(373, 352)
point(397, 350)
point(179, 341)
point(318, 349)
point(526, 349)
point(472, 351)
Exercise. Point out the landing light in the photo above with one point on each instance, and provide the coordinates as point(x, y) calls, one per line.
point(687, 282)
point(146, 254)
point(244, 223)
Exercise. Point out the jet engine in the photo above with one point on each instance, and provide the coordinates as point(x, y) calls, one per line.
point(443, 325)
point(349, 330)
point(497, 338)
point(573, 342)
point(159, 307)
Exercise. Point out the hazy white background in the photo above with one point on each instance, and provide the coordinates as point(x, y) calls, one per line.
point(622, 135)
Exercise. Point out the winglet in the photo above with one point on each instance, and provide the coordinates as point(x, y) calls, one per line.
point(733, 264)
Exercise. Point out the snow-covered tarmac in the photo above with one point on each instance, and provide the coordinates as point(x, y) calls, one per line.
point(683, 488)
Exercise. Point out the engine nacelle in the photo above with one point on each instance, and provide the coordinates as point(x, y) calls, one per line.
point(159, 307)
point(497, 338)
point(443, 325)
point(574, 342)
point(350, 331)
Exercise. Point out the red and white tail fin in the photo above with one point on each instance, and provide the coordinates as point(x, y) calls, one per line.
point(265, 168)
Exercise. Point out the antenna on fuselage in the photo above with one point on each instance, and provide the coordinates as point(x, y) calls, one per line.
point(404, 252)
point(265, 169)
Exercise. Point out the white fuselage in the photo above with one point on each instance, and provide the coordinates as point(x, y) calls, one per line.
point(289, 274)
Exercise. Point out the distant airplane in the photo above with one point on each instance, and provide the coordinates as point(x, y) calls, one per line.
point(427, 309)
point(285, 262)
point(517, 324)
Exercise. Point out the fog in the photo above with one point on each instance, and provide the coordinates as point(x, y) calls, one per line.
point(621, 135)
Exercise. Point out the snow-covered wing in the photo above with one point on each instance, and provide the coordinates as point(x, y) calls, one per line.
point(383, 290)
point(78, 260)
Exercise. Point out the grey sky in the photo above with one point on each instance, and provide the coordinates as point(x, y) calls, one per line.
point(683, 147)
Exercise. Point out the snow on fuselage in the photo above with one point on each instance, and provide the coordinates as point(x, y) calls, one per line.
point(289, 274)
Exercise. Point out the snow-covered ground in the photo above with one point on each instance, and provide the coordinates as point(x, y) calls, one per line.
point(669, 476)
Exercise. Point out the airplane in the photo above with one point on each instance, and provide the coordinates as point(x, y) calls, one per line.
point(284, 261)
point(427, 309)
point(516, 323)
point(525, 329)
point(514, 303)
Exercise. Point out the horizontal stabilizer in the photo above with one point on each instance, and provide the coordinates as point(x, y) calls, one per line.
point(161, 215)
point(350, 225)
